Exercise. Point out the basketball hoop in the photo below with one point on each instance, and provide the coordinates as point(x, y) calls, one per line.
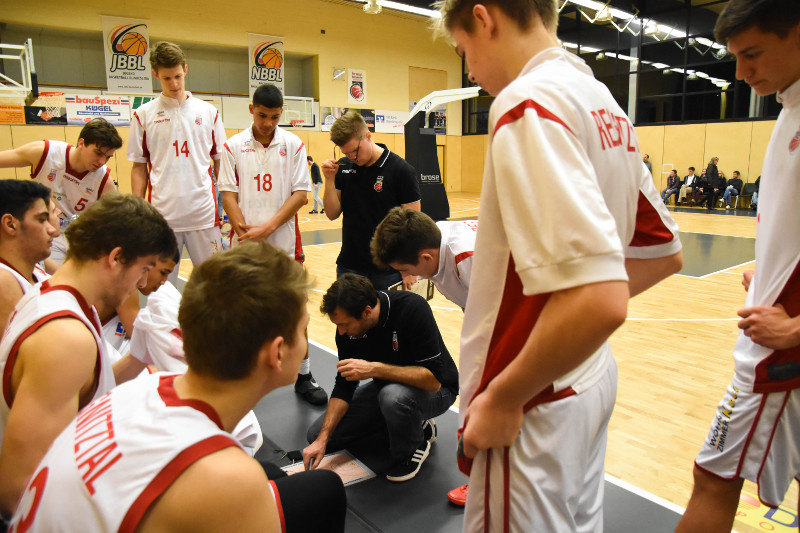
point(296, 123)
point(53, 102)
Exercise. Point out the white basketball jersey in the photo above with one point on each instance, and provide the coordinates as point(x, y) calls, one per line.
point(265, 177)
point(180, 142)
point(107, 468)
point(38, 275)
point(40, 304)
point(455, 260)
point(114, 334)
point(73, 191)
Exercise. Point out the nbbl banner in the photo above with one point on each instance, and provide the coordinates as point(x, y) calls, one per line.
point(127, 52)
point(265, 61)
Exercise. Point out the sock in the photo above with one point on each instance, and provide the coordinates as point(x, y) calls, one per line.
point(305, 367)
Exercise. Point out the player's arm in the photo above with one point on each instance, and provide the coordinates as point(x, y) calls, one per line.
point(127, 368)
point(770, 326)
point(223, 491)
point(108, 187)
point(10, 293)
point(573, 324)
point(127, 312)
point(287, 211)
point(416, 206)
point(230, 203)
point(314, 452)
point(331, 197)
point(27, 155)
point(139, 179)
point(644, 273)
point(416, 376)
point(52, 367)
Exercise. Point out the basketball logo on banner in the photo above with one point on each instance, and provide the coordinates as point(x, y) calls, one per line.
point(356, 86)
point(267, 62)
point(128, 47)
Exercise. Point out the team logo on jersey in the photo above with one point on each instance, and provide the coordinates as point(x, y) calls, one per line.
point(51, 176)
point(395, 344)
point(128, 47)
point(283, 150)
point(795, 142)
point(267, 60)
point(89, 190)
point(120, 332)
point(198, 120)
point(160, 113)
point(378, 184)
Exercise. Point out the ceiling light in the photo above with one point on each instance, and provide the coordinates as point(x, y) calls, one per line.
point(691, 77)
point(651, 29)
point(372, 7)
point(601, 56)
point(720, 53)
point(603, 15)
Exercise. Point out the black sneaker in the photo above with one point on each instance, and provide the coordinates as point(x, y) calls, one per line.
point(312, 212)
point(310, 390)
point(429, 430)
point(321, 211)
point(405, 470)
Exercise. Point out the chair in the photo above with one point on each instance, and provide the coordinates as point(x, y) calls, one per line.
point(747, 192)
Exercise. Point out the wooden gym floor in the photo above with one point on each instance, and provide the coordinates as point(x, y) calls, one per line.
point(674, 353)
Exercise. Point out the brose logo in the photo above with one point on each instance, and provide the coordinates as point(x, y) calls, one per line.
point(127, 47)
point(267, 62)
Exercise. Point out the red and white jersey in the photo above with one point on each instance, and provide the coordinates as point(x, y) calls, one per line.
point(38, 275)
point(114, 334)
point(777, 273)
point(554, 128)
point(179, 142)
point(39, 305)
point(157, 338)
point(265, 177)
point(455, 260)
point(107, 468)
point(72, 191)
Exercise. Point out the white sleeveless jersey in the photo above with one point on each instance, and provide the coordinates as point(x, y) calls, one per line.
point(73, 191)
point(115, 335)
point(119, 455)
point(179, 142)
point(265, 177)
point(38, 275)
point(455, 260)
point(40, 304)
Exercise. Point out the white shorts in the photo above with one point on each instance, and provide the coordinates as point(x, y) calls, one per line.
point(201, 244)
point(552, 477)
point(755, 436)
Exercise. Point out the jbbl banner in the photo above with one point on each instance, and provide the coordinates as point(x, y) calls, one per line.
point(265, 61)
point(127, 51)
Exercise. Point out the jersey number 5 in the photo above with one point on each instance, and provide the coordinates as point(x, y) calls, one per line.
point(263, 183)
point(183, 150)
point(81, 205)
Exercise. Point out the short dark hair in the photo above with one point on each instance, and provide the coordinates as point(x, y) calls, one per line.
point(17, 196)
point(309, 158)
point(120, 220)
point(167, 55)
point(351, 292)
point(347, 127)
point(402, 235)
point(100, 132)
point(691, 168)
point(236, 301)
point(268, 95)
point(769, 16)
point(737, 172)
point(458, 13)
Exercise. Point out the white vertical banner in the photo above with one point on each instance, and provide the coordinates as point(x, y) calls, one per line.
point(127, 51)
point(356, 86)
point(265, 64)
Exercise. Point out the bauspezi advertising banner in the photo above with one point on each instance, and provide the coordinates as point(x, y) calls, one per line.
point(265, 61)
point(81, 108)
point(127, 51)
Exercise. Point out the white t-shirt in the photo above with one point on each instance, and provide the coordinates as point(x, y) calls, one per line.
point(777, 272)
point(107, 468)
point(179, 141)
point(455, 260)
point(39, 305)
point(72, 191)
point(558, 129)
point(265, 177)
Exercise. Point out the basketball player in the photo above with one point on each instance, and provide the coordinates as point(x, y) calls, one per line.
point(52, 357)
point(174, 146)
point(197, 478)
point(550, 279)
point(77, 175)
point(27, 230)
point(754, 433)
point(363, 186)
point(264, 183)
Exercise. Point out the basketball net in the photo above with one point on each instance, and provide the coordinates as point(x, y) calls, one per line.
point(296, 123)
point(52, 102)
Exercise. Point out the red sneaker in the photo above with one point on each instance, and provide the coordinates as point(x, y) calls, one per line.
point(458, 496)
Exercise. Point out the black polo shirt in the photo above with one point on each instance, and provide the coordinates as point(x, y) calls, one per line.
point(406, 335)
point(368, 193)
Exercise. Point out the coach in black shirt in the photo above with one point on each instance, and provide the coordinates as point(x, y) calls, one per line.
point(363, 186)
point(392, 338)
